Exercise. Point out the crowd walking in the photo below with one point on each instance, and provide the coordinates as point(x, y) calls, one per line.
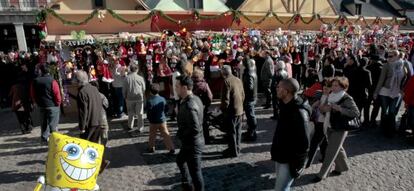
point(317, 95)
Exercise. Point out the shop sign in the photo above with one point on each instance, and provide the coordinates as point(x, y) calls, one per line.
point(79, 42)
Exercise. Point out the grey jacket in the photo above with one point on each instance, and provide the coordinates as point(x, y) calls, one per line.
point(134, 87)
point(267, 71)
point(386, 76)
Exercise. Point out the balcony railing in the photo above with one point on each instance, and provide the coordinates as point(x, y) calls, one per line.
point(22, 5)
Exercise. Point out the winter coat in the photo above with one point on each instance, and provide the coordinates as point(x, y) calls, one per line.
point(291, 140)
point(375, 70)
point(232, 96)
point(90, 107)
point(359, 82)
point(202, 90)
point(190, 124)
point(267, 71)
point(409, 92)
point(250, 85)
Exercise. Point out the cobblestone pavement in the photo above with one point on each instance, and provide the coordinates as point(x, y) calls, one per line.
point(376, 163)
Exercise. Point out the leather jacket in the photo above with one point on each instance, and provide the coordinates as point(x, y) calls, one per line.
point(190, 123)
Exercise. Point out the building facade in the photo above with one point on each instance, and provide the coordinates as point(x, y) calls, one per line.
point(18, 30)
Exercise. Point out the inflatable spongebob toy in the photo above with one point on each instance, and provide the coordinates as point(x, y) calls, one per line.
point(72, 164)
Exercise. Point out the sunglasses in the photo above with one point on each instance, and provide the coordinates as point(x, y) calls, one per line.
point(391, 56)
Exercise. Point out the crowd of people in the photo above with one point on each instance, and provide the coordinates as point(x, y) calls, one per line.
point(313, 89)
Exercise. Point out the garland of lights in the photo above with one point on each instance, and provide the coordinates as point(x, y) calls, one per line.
point(342, 19)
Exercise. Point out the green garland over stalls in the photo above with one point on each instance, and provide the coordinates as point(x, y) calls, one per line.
point(42, 15)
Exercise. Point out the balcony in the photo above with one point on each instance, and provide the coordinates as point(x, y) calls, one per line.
point(22, 5)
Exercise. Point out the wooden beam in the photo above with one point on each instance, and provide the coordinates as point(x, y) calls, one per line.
point(285, 5)
point(301, 5)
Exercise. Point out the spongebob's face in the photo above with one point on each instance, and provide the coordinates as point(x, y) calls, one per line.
point(72, 162)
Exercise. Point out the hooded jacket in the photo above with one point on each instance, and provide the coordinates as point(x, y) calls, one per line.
point(291, 140)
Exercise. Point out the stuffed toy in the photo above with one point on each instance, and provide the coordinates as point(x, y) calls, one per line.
point(72, 164)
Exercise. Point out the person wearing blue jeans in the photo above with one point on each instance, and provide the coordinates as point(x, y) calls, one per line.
point(389, 110)
point(49, 117)
point(46, 93)
point(291, 140)
point(283, 177)
point(250, 91)
point(119, 102)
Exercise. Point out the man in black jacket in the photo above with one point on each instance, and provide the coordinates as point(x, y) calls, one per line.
point(292, 138)
point(190, 133)
point(250, 92)
point(375, 68)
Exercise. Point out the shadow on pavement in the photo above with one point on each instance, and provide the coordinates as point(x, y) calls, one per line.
point(374, 141)
point(24, 152)
point(236, 176)
point(122, 156)
point(23, 163)
point(14, 176)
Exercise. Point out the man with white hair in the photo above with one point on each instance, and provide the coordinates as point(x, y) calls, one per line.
point(232, 98)
point(134, 91)
point(90, 106)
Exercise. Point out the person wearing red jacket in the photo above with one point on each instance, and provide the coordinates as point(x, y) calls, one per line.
point(409, 102)
point(46, 94)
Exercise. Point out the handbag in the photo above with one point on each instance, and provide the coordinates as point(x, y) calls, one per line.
point(341, 122)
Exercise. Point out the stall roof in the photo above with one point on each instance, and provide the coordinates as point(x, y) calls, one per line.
point(166, 5)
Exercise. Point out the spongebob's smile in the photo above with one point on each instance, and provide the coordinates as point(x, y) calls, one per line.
point(76, 173)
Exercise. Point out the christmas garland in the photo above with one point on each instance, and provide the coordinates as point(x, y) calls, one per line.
point(42, 15)
point(119, 17)
point(66, 22)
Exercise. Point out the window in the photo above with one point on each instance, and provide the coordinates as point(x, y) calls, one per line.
point(195, 4)
point(99, 3)
point(358, 7)
point(198, 4)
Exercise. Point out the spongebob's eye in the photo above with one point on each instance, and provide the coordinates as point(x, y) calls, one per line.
point(74, 151)
point(92, 154)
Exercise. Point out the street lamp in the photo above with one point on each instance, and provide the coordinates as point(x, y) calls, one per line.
point(33, 31)
point(5, 32)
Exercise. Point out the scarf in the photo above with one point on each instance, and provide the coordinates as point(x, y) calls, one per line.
point(333, 98)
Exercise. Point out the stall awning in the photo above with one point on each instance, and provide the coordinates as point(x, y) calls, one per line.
point(94, 37)
point(214, 6)
point(166, 5)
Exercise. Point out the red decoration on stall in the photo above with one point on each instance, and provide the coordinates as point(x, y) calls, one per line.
point(155, 19)
point(238, 21)
point(296, 19)
point(342, 21)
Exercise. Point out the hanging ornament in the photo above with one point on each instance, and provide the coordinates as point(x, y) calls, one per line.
point(155, 19)
point(296, 19)
point(342, 21)
point(101, 15)
point(43, 30)
point(238, 21)
point(195, 17)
